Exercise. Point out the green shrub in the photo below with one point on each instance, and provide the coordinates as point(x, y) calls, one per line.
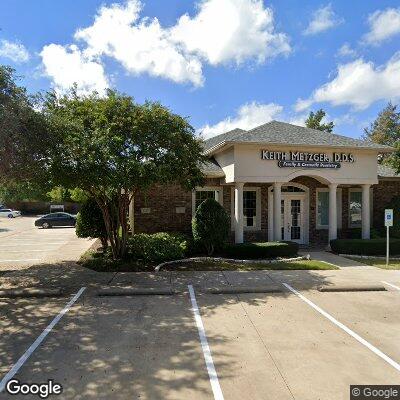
point(366, 247)
point(90, 222)
point(262, 250)
point(157, 247)
point(210, 225)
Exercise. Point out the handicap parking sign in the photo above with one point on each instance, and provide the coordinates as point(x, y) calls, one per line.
point(388, 217)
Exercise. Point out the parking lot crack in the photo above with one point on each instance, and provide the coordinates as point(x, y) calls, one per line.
point(265, 347)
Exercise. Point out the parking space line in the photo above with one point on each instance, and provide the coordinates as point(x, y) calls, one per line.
point(15, 368)
point(391, 284)
point(212, 373)
point(379, 353)
point(23, 260)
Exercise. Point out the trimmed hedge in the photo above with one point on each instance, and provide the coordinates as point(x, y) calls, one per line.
point(365, 247)
point(262, 250)
point(157, 247)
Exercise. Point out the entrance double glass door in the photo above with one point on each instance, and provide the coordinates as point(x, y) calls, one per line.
point(292, 219)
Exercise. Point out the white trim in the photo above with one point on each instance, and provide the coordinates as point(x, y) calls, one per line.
point(219, 195)
point(339, 202)
point(286, 195)
point(257, 227)
point(212, 373)
point(371, 207)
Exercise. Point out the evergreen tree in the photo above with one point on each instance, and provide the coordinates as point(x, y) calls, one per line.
point(314, 121)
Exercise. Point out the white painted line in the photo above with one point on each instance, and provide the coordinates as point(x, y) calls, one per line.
point(212, 373)
point(391, 284)
point(23, 260)
point(393, 363)
point(15, 368)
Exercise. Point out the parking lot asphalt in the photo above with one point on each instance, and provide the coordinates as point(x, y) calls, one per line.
point(23, 245)
point(301, 344)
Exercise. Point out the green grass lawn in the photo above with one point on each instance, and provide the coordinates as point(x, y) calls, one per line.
point(378, 262)
point(99, 263)
point(225, 266)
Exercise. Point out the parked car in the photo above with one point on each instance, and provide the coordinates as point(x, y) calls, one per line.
point(56, 219)
point(8, 213)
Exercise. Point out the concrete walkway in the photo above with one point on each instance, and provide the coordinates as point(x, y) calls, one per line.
point(339, 261)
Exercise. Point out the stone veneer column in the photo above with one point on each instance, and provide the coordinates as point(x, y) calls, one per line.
point(332, 212)
point(366, 212)
point(277, 211)
point(239, 212)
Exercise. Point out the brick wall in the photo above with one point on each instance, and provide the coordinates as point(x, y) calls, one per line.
point(162, 202)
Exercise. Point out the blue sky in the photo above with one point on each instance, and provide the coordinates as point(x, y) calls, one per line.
point(222, 63)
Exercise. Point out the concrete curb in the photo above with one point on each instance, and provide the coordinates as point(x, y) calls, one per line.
point(231, 260)
point(30, 293)
point(353, 288)
point(244, 289)
point(135, 292)
point(369, 257)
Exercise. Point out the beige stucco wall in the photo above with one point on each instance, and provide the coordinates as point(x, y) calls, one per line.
point(243, 163)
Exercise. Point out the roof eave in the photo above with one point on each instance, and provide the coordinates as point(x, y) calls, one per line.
point(222, 144)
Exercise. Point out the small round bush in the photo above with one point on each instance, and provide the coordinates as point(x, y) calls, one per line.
point(210, 225)
point(90, 222)
point(157, 247)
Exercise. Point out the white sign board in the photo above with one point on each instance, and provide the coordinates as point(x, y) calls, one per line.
point(388, 217)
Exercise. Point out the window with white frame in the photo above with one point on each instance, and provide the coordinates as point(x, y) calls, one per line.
point(201, 194)
point(355, 207)
point(322, 208)
point(251, 208)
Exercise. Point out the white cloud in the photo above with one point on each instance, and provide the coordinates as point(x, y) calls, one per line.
point(68, 65)
point(358, 84)
point(14, 51)
point(323, 19)
point(248, 116)
point(346, 51)
point(231, 30)
point(139, 45)
point(221, 31)
point(383, 25)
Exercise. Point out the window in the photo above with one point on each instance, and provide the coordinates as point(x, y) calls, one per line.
point(204, 193)
point(355, 206)
point(322, 208)
point(249, 207)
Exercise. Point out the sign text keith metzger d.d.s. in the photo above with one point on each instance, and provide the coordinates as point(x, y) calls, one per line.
point(301, 159)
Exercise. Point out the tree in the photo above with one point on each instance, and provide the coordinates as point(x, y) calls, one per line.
point(58, 194)
point(112, 148)
point(90, 222)
point(24, 138)
point(386, 128)
point(314, 121)
point(78, 195)
point(210, 225)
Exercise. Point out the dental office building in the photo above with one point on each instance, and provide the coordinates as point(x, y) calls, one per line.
point(281, 182)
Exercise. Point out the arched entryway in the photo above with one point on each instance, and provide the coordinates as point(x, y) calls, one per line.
point(295, 205)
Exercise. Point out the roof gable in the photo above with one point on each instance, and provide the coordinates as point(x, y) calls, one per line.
point(276, 132)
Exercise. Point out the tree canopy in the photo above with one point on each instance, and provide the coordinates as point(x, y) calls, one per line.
point(386, 127)
point(23, 134)
point(111, 147)
point(314, 121)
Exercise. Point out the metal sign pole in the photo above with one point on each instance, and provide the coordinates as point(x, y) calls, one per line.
point(387, 245)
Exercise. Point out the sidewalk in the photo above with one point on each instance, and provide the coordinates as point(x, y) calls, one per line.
point(339, 261)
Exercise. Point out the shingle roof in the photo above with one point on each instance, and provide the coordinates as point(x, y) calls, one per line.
point(283, 133)
point(385, 171)
point(211, 167)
